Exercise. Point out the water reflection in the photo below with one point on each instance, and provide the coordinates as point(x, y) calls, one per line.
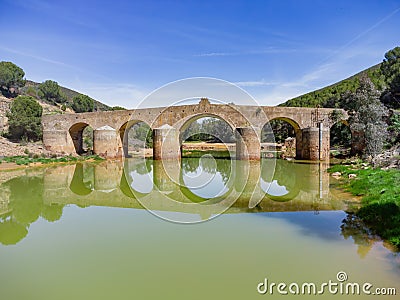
point(25, 205)
point(292, 187)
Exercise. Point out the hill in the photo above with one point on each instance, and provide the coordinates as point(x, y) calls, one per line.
point(329, 96)
point(31, 88)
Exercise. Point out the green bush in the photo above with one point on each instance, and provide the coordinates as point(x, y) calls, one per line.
point(25, 119)
point(11, 78)
point(50, 91)
point(82, 103)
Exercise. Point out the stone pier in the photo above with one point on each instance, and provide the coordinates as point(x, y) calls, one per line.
point(248, 143)
point(312, 148)
point(166, 143)
point(105, 142)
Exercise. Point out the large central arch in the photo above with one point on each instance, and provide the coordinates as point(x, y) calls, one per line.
point(189, 121)
point(123, 134)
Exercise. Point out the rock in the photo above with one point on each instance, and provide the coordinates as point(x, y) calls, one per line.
point(351, 176)
point(336, 174)
point(8, 148)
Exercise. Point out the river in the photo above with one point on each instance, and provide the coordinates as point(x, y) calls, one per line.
point(195, 229)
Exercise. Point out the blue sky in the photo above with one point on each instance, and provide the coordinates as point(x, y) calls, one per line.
point(119, 51)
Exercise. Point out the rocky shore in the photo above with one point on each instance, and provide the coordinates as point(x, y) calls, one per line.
point(9, 148)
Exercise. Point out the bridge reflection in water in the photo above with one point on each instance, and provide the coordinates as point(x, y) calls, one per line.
point(115, 184)
point(238, 186)
point(291, 187)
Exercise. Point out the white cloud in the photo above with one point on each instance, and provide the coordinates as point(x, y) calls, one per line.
point(22, 53)
point(255, 83)
point(216, 54)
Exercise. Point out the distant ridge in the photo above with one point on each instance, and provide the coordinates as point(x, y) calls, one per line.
point(98, 106)
point(329, 96)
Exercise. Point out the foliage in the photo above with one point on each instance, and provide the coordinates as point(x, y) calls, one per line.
point(82, 103)
point(50, 91)
point(209, 129)
point(278, 131)
point(11, 78)
point(201, 153)
point(142, 132)
point(118, 108)
point(340, 135)
point(394, 129)
point(335, 116)
point(25, 160)
point(380, 203)
point(87, 135)
point(366, 114)
point(31, 91)
point(69, 94)
point(390, 68)
point(330, 96)
point(25, 119)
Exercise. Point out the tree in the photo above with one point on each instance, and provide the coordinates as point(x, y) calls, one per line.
point(118, 108)
point(277, 131)
point(11, 78)
point(143, 133)
point(50, 91)
point(25, 119)
point(394, 129)
point(366, 115)
point(82, 103)
point(391, 70)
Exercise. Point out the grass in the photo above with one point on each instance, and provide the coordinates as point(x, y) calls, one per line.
point(25, 160)
point(380, 191)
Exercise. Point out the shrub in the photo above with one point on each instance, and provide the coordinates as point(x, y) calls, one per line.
point(25, 119)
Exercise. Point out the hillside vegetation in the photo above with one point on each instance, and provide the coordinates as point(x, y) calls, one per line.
point(330, 96)
point(31, 89)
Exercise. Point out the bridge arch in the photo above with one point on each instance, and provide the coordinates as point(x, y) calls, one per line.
point(288, 120)
point(277, 130)
point(185, 123)
point(124, 131)
point(341, 137)
point(76, 134)
point(230, 130)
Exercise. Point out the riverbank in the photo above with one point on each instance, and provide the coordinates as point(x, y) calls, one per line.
point(380, 192)
point(21, 161)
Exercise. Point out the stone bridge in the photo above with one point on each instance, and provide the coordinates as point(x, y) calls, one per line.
point(63, 133)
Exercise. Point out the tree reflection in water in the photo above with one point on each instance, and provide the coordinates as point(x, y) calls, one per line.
point(353, 227)
point(25, 207)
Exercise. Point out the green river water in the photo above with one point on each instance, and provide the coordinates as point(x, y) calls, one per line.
point(213, 229)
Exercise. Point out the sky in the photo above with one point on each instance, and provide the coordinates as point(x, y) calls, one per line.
point(119, 51)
